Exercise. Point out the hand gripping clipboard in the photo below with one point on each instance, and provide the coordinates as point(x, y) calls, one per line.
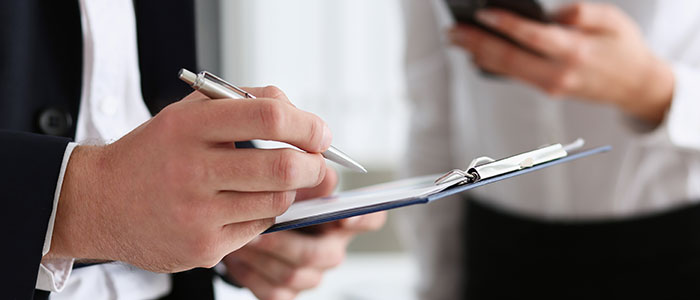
point(425, 189)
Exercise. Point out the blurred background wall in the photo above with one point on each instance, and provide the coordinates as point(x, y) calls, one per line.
point(341, 60)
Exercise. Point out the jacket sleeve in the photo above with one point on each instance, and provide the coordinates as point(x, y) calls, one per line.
point(28, 178)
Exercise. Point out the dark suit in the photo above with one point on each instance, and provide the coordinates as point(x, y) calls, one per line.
point(41, 78)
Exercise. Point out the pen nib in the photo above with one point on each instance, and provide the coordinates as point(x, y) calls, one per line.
point(337, 156)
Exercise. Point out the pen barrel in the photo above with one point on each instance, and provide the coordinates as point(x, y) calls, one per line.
point(216, 88)
point(215, 91)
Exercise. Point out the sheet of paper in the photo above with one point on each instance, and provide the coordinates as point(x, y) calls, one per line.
point(364, 197)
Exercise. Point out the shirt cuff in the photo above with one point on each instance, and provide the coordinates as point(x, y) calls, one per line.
point(683, 123)
point(680, 127)
point(54, 273)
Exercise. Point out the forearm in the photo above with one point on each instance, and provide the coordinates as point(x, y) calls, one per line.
point(651, 92)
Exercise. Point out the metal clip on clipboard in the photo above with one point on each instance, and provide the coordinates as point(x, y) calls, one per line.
point(485, 167)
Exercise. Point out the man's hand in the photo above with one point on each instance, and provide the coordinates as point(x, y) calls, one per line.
point(596, 52)
point(282, 264)
point(175, 193)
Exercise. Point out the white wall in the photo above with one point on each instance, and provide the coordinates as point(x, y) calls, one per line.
point(340, 59)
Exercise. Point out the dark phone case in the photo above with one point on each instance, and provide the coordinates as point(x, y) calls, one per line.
point(464, 12)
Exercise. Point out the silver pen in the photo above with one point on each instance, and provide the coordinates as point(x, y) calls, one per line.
point(214, 87)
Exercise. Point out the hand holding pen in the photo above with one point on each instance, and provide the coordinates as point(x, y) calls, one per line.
point(215, 88)
point(172, 194)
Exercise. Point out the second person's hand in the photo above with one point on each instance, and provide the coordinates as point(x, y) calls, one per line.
point(282, 264)
point(595, 52)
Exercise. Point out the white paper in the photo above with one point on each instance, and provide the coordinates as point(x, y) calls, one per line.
point(364, 197)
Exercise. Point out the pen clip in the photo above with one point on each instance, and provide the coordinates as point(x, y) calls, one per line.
point(485, 167)
point(220, 81)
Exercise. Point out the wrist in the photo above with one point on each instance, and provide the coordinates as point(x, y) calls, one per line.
point(76, 216)
point(654, 93)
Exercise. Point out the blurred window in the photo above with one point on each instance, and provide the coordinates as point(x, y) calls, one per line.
point(340, 59)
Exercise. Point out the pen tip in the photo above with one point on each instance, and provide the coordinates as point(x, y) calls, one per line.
point(353, 165)
point(342, 159)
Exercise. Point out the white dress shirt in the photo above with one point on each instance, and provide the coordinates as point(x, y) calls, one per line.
point(458, 114)
point(111, 105)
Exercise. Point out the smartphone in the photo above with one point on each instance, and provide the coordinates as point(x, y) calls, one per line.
point(464, 12)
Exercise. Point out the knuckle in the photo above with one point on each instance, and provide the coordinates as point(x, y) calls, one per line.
point(578, 54)
point(379, 220)
point(336, 257)
point(191, 210)
point(309, 255)
point(251, 230)
point(291, 276)
point(210, 263)
point(534, 37)
point(171, 118)
point(316, 279)
point(274, 92)
point(286, 168)
point(281, 202)
point(561, 83)
point(322, 169)
point(181, 173)
point(577, 10)
point(272, 117)
point(278, 293)
point(316, 131)
point(183, 214)
point(203, 248)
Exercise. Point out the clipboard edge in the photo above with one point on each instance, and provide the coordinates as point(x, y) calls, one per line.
point(337, 215)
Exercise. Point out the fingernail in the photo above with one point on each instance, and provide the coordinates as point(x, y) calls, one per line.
point(327, 138)
point(487, 17)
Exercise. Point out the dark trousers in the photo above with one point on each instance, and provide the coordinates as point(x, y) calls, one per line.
point(511, 257)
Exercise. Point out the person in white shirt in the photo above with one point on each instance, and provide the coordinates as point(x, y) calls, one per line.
point(620, 225)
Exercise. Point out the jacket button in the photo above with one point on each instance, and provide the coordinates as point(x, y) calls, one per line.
point(54, 121)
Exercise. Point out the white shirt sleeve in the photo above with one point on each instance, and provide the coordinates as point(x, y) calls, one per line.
point(54, 273)
point(681, 125)
point(682, 120)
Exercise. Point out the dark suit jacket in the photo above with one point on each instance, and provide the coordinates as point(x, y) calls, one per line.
point(40, 84)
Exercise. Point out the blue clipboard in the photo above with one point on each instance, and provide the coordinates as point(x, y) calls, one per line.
point(333, 215)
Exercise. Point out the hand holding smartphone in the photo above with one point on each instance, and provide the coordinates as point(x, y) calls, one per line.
point(464, 12)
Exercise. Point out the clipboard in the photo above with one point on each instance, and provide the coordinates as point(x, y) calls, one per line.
point(425, 189)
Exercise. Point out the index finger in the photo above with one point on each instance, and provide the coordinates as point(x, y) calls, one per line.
point(269, 91)
point(550, 40)
point(299, 249)
point(231, 120)
point(594, 17)
point(364, 223)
